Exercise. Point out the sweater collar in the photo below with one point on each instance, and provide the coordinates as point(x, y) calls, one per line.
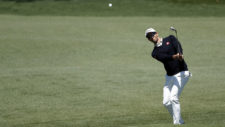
point(158, 44)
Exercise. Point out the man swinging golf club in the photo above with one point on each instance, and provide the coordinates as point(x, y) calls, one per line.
point(168, 50)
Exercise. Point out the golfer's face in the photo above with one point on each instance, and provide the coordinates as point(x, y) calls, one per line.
point(154, 39)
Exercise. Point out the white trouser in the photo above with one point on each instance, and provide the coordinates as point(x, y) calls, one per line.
point(171, 92)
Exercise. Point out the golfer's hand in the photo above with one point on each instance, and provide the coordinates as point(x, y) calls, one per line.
point(181, 57)
point(178, 57)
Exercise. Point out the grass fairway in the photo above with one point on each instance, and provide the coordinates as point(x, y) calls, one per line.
point(98, 72)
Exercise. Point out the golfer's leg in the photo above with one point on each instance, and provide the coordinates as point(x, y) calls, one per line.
point(184, 79)
point(166, 95)
point(175, 101)
point(179, 83)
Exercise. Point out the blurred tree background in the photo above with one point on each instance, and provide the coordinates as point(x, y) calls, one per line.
point(174, 8)
point(175, 1)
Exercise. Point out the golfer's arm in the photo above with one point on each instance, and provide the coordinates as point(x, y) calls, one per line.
point(176, 44)
point(162, 57)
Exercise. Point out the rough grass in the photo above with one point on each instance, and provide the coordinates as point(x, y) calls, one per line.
point(98, 72)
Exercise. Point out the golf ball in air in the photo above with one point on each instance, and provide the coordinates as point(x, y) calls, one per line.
point(110, 4)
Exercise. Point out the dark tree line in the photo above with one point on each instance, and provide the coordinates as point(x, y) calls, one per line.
point(32, 0)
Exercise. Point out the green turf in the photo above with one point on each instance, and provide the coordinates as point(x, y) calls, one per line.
point(98, 72)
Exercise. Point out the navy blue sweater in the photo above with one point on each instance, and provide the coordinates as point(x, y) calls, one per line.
point(165, 52)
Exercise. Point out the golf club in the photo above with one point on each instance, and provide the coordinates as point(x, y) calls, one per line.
point(178, 46)
point(173, 29)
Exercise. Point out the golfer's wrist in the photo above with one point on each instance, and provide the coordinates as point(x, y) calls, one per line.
point(175, 56)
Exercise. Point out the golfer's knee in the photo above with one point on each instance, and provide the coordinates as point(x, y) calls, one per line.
point(174, 99)
point(166, 102)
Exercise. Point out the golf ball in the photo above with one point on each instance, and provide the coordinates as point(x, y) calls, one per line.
point(110, 4)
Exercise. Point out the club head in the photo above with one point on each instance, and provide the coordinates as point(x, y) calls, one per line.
point(173, 29)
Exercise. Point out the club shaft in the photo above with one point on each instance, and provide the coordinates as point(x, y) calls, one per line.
point(178, 45)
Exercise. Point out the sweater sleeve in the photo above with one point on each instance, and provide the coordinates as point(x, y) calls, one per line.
point(161, 56)
point(176, 44)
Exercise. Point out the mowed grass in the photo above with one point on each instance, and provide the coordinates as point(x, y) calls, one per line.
point(98, 72)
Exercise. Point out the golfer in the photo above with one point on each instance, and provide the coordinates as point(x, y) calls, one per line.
point(169, 51)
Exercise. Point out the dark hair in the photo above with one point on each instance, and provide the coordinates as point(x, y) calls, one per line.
point(150, 35)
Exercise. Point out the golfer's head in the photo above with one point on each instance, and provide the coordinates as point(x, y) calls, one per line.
point(151, 35)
